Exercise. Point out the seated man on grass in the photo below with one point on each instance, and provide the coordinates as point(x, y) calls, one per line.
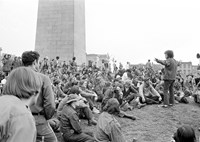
point(70, 123)
point(148, 94)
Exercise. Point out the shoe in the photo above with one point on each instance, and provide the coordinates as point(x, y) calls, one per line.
point(130, 108)
point(165, 106)
point(133, 118)
point(139, 106)
point(95, 110)
point(92, 122)
point(176, 102)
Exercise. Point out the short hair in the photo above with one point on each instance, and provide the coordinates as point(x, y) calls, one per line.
point(28, 57)
point(169, 53)
point(57, 57)
point(22, 82)
point(128, 70)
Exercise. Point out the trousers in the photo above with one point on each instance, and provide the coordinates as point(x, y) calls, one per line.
point(82, 137)
point(44, 130)
point(168, 87)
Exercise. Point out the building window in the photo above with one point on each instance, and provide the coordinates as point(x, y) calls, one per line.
point(184, 65)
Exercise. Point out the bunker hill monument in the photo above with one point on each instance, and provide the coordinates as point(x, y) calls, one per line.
point(61, 29)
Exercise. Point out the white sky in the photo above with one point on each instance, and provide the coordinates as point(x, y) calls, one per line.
point(129, 30)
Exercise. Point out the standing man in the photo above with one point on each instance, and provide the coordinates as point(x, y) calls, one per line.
point(44, 108)
point(148, 64)
point(7, 64)
point(169, 77)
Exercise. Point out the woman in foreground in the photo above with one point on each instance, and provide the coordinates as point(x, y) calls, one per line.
point(108, 128)
point(19, 93)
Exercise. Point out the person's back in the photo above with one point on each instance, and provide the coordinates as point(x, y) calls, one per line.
point(46, 102)
point(44, 108)
point(19, 93)
point(108, 128)
point(65, 117)
point(15, 120)
point(103, 130)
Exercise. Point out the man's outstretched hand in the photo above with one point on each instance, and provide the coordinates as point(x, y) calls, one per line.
point(156, 59)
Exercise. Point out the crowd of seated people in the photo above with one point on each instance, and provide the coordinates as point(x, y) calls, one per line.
point(82, 91)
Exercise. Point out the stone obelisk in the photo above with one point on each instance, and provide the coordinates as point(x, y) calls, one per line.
point(61, 29)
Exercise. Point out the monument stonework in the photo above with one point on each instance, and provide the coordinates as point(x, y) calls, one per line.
point(61, 29)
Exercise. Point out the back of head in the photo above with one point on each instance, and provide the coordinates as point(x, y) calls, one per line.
point(169, 53)
point(112, 106)
point(128, 70)
point(22, 82)
point(57, 57)
point(28, 57)
point(185, 134)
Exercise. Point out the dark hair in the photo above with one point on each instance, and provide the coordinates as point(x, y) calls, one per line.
point(128, 70)
point(169, 53)
point(113, 109)
point(28, 57)
point(57, 57)
point(112, 106)
point(185, 134)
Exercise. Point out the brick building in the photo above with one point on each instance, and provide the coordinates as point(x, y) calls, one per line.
point(186, 68)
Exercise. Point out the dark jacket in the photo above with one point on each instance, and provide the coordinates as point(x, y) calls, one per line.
point(70, 123)
point(170, 68)
point(46, 101)
point(7, 65)
point(130, 90)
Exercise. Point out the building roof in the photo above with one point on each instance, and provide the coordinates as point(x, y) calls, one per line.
point(99, 55)
point(186, 62)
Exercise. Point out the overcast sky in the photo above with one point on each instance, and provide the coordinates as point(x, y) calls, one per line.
point(129, 30)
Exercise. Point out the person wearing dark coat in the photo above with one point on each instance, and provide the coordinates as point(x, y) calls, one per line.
point(169, 77)
point(70, 123)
